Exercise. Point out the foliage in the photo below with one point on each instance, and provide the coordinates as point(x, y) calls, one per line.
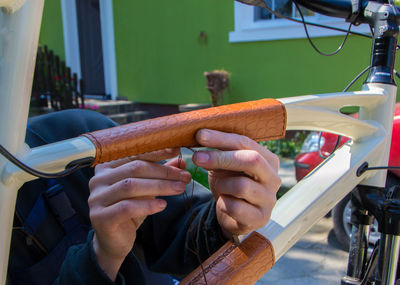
point(200, 175)
point(286, 147)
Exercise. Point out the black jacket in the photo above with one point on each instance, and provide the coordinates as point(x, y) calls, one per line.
point(164, 242)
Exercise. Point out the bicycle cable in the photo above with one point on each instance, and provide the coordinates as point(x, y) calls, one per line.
point(262, 4)
point(370, 264)
point(364, 167)
point(312, 43)
point(356, 78)
point(381, 168)
point(73, 166)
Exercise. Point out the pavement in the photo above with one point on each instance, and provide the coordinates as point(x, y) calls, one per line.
point(316, 259)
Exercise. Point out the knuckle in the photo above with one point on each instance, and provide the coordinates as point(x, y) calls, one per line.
point(124, 208)
point(275, 161)
point(254, 158)
point(275, 183)
point(92, 183)
point(236, 210)
point(136, 167)
point(278, 182)
point(91, 201)
point(243, 142)
point(127, 185)
point(94, 216)
point(244, 187)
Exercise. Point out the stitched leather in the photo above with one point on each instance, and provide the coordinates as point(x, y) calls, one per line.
point(260, 120)
point(232, 264)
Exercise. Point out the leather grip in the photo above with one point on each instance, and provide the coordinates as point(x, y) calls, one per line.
point(235, 264)
point(260, 120)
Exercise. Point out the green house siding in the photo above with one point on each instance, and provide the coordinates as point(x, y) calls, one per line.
point(51, 31)
point(161, 59)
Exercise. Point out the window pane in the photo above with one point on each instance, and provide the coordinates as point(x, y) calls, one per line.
point(284, 7)
point(261, 13)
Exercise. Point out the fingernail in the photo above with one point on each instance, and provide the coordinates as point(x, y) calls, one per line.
point(205, 135)
point(202, 157)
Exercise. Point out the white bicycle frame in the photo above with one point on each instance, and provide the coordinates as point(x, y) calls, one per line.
point(293, 215)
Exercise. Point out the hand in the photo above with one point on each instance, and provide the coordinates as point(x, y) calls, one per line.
point(243, 178)
point(122, 194)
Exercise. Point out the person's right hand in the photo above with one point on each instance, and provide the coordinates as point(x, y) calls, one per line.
point(122, 194)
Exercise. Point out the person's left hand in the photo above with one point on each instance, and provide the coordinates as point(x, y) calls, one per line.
point(243, 178)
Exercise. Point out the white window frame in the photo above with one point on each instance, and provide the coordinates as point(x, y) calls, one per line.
point(249, 30)
point(71, 42)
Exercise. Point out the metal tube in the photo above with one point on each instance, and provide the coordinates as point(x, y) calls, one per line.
point(358, 251)
point(391, 257)
point(50, 158)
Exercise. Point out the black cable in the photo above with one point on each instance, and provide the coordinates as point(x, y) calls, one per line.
point(356, 78)
point(371, 263)
point(35, 172)
point(364, 167)
point(381, 168)
point(312, 43)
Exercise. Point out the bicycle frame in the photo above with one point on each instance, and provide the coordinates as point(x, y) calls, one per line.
point(308, 201)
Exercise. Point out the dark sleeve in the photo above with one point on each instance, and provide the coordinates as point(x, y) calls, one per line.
point(170, 242)
point(175, 240)
point(80, 267)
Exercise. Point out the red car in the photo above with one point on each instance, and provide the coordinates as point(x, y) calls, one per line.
point(318, 146)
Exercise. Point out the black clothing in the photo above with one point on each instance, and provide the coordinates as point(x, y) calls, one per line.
point(37, 253)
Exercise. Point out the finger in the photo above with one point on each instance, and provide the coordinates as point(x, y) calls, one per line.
point(150, 156)
point(249, 162)
point(126, 210)
point(240, 216)
point(177, 162)
point(246, 189)
point(136, 188)
point(230, 141)
point(140, 169)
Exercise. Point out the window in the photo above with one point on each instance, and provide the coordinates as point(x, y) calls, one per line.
point(256, 24)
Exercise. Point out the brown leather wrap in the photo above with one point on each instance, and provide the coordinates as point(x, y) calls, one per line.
point(260, 120)
point(232, 264)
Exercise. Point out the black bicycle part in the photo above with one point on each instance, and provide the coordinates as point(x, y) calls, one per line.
point(384, 205)
point(385, 20)
point(361, 219)
point(345, 9)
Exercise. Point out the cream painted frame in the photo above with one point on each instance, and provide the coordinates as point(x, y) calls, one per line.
point(310, 199)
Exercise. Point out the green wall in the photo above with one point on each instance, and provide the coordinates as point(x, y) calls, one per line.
point(159, 57)
point(51, 31)
point(161, 60)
